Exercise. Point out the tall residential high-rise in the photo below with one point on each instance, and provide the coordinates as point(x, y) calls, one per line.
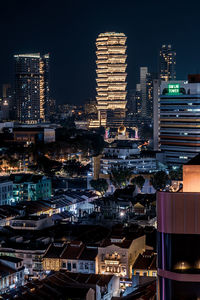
point(32, 87)
point(143, 89)
point(111, 78)
point(6, 103)
point(178, 123)
point(178, 226)
point(7, 90)
point(167, 63)
point(146, 91)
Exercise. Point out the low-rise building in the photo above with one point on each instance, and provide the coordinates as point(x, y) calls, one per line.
point(6, 191)
point(31, 222)
point(30, 187)
point(30, 134)
point(73, 257)
point(30, 253)
point(117, 255)
point(7, 213)
point(145, 264)
point(11, 273)
point(66, 285)
point(81, 202)
point(126, 155)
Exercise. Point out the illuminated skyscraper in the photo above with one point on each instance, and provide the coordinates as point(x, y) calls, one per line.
point(31, 87)
point(167, 63)
point(111, 78)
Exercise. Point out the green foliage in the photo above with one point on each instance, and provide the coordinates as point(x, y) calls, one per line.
point(146, 132)
point(120, 177)
point(159, 180)
point(74, 168)
point(47, 166)
point(80, 140)
point(176, 174)
point(99, 185)
point(139, 181)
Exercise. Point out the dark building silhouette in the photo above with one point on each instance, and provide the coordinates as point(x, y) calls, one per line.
point(32, 87)
point(167, 63)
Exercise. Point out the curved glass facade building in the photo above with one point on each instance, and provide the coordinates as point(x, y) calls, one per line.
point(178, 217)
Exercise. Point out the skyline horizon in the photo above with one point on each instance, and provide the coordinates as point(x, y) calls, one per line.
point(68, 31)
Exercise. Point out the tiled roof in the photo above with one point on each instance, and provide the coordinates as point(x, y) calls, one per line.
point(6, 270)
point(124, 244)
point(62, 285)
point(145, 261)
point(54, 250)
point(73, 250)
point(89, 254)
point(10, 258)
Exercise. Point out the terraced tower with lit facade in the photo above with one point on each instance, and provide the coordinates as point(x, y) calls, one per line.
point(111, 78)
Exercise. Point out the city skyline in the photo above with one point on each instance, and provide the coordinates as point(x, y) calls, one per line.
point(65, 37)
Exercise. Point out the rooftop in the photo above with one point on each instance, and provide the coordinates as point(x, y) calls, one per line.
point(146, 261)
point(194, 161)
point(24, 177)
point(54, 250)
point(10, 258)
point(62, 285)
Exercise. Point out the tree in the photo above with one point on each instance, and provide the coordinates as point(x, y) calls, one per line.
point(74, 167)
point(176, 174)
point(159, 180)
point(99, 185)
point(120, 176)
point(139, 181)
point(48, 166)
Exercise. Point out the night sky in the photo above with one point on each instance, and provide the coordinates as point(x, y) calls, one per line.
point(68, 29)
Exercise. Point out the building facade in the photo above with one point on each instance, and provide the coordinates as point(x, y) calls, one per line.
point(178, 237)
point(31, 87)
point(118, 254)
point(111, 79)
point(179, 122)
point(6, 191)
point(167, 63)
point(29, 187)
point(11, 273)
point(73, 257)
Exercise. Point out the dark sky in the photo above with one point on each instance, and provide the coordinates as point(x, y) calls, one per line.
point(68, 29)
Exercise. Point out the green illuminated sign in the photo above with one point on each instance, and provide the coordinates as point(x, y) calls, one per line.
point(174, 89)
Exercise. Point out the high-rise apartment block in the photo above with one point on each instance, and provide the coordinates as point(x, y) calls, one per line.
point(6, 103)
point(111, 79)
point(32, 87)
point(143, 90)
point(146, 92)
point(178, 122)
point(167, 63)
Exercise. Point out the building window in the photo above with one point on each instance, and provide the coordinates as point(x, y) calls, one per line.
point(137, 273)
point(69, 266)
point(74, 265)
point(64, 265)
point(81, 266)
point(144, 273)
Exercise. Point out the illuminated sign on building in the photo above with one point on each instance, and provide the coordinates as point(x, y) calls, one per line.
point(174, 89)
